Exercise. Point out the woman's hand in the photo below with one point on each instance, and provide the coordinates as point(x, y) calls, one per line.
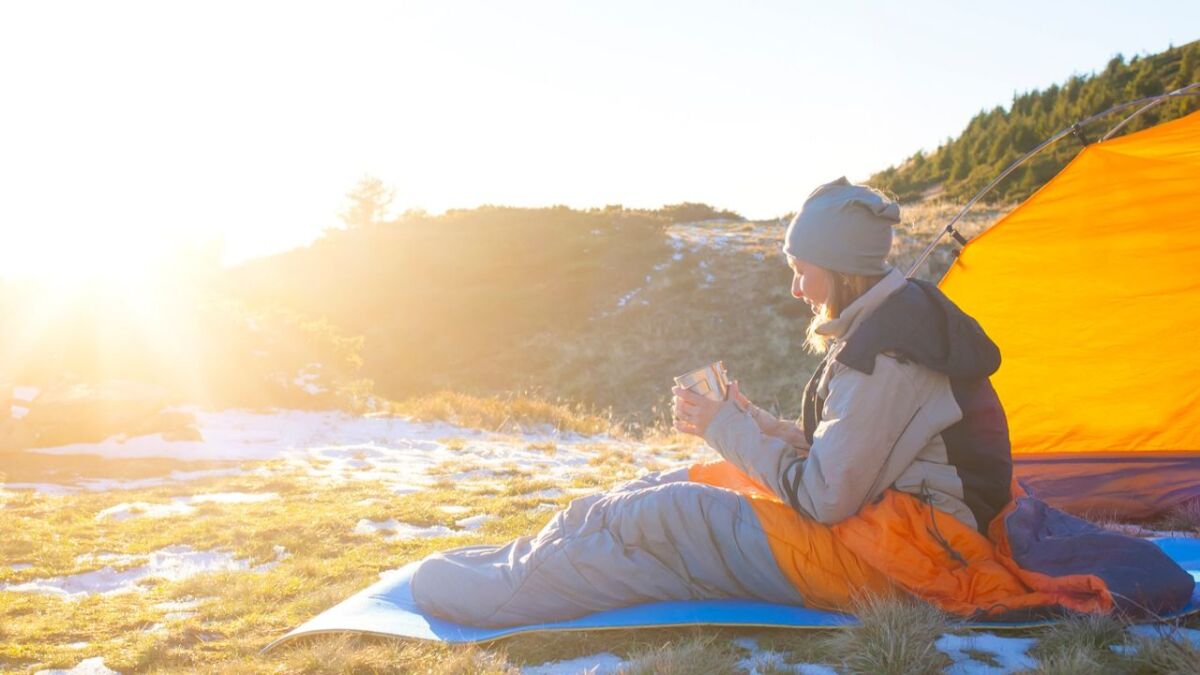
point(735, 393)
point(693, 412)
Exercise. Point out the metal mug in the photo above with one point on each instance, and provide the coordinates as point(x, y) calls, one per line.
point(711, 381)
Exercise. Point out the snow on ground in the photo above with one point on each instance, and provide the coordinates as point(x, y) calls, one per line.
point(774, 662)
point(308, 379)
point(22, 397)
point(108, 484)
point(474, 522)
point(338, 447)
point(1011, 653)
point(700, 235)
point(1166, 632)
point(401, 531)
point(604, 663)
point(92, 666)
point(176, 610)
point(180, 506)
point(127, 510)
point(544, 493)
point(172, 563)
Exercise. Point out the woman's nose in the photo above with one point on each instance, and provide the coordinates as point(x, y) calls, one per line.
point(796, 293)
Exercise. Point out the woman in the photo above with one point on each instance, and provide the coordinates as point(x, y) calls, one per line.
point(887, 483)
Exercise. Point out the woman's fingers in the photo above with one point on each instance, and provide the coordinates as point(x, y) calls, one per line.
point(688, 395)
point(684, 404)
point(686, 427)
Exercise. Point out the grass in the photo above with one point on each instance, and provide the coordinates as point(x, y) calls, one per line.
point(893, 637)
point(230, 616)
point(514, 412)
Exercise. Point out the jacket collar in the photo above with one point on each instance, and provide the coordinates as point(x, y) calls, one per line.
point(841, 327)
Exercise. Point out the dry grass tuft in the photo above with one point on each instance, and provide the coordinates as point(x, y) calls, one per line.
point(1183, 518)
point(1170, 654)
point(360, 654)
point(1092, 632)
point(1071, 660)
point(515, 412)
point(893, 637)
point(1079, 644)
point(700, 654)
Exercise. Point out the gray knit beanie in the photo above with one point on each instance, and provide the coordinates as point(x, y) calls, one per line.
point(845, 228)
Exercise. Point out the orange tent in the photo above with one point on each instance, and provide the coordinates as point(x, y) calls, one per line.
point(1092, 290)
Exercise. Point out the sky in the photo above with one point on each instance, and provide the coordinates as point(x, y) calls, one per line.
point(128, 130)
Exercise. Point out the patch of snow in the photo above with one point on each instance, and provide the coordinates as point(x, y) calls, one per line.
point(233, 497)
point(604, 663)
point(246, 435)
point(709, 278)
point(367, 526)
point(180, 506)
point(404, 488)
point(1009, 652)
point(127, 510)
point(454, 509)
point(774, 662)
point(627, 297)
point(1124, 650)
point(475, 522)
point(178, 605)
point(1167, 632)
point(52, 489)
point(402, 531)
point(677, 256)
point(544, 493)
point(20, 567)
point(107, 484)
point(335, 447)
point(92, 666)
point(26, 394)
point(171, 563)
point(77, 645)
point(747, 643)
point(546, 506)
point(307, 379)
point(281, 554)
point(18, 411)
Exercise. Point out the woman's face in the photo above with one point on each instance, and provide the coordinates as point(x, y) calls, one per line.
point(809, 282)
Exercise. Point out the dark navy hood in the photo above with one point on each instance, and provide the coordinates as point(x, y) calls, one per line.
point(921, 324)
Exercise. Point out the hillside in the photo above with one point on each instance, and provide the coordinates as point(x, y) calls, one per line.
point(622, 301)
point(994, 138)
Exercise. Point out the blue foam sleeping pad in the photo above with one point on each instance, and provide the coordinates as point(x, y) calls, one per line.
point(387, 608)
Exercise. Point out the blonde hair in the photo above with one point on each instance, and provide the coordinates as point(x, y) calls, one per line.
point(844, 289)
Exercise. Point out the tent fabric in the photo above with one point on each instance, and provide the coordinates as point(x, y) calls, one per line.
point(1091, 288)
point(387, 608)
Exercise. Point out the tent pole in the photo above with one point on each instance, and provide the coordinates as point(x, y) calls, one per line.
point(1145, 103)
point(1193, 88)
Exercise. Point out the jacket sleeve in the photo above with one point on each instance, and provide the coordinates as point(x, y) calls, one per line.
point(863, 419)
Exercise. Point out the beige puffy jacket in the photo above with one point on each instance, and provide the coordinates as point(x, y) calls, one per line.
point(877, 430)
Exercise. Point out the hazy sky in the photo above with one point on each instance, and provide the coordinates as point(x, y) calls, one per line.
point(125, 127)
